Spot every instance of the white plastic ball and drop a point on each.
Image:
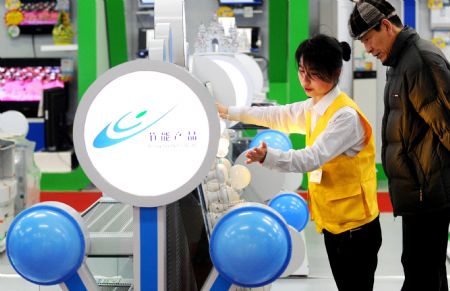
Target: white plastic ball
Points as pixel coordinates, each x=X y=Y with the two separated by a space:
x=239 y=177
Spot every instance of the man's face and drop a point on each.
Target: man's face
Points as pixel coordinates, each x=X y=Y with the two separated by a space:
x=378 y=43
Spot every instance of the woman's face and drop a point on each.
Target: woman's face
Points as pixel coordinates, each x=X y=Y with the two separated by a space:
x=312 y=84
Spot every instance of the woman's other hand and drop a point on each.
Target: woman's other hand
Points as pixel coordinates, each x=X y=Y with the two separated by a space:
x=256 y=154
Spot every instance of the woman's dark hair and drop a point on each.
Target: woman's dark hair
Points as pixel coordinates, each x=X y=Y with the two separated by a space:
x=323 y=55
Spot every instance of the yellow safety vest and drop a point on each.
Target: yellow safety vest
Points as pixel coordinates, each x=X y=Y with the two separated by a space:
x=346 y=196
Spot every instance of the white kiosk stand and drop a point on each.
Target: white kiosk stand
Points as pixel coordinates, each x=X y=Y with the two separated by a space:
x=146 y=133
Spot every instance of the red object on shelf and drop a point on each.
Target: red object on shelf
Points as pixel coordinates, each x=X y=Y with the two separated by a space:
x=80 y=201
x=384 y=202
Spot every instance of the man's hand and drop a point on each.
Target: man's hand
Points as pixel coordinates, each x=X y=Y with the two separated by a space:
x=256 y=154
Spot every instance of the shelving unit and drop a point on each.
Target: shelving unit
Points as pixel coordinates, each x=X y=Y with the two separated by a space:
x=59 y=48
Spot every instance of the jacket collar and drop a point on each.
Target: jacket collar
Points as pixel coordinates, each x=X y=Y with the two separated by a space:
x=325 y=102
x=403 y=40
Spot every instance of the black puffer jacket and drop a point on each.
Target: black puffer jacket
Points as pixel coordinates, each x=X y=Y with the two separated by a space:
x=416 y=122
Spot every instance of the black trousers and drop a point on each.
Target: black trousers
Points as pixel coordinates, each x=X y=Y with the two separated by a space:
x=353 y=256
x=425 y=238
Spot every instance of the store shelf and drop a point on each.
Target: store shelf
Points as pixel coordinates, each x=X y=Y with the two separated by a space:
x=59 y=48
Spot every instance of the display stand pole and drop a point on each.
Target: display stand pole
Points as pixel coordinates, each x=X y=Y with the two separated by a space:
x=149 y=248
x=81 y=280
x=215 y=282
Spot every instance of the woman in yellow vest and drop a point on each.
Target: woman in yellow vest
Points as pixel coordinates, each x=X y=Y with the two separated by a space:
x=339 y=158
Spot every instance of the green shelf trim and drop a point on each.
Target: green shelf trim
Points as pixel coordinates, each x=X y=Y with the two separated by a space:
x=381 y=175
x=276 y=90
x=117 y=40
x=298 y=31
x=87 y=73
x=87 y=45
x=249 y=132
x=290 y=21
x=73 y=181
x=278 y=42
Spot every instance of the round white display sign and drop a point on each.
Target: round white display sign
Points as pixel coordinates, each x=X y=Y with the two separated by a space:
x=146 y=133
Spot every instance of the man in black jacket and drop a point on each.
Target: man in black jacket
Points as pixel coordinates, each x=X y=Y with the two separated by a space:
x=415 y=138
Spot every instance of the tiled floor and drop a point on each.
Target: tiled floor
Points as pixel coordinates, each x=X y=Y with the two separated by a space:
x=389 y=274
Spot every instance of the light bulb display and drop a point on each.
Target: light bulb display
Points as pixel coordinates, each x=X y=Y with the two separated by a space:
x=240 y=177
x=224 y=145
x=226 y=162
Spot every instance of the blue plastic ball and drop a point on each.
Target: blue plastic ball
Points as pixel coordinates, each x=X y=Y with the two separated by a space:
x=273 y=138
x=45 y=245
x=293 y=208
x=250 y=246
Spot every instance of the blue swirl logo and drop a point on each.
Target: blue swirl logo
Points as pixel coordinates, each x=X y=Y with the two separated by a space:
x=102 y=140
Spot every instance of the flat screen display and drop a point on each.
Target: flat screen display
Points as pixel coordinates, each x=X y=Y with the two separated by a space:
x=23 y=81
x=39 y=12
x=37 y=16
x=28 y=84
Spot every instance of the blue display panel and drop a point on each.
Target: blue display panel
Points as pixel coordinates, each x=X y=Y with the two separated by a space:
x=240 y=2
x=146 y=3
x=36 y=133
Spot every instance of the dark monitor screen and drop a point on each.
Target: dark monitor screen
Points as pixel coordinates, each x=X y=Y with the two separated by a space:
x=23 y=81
x=146 y=3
